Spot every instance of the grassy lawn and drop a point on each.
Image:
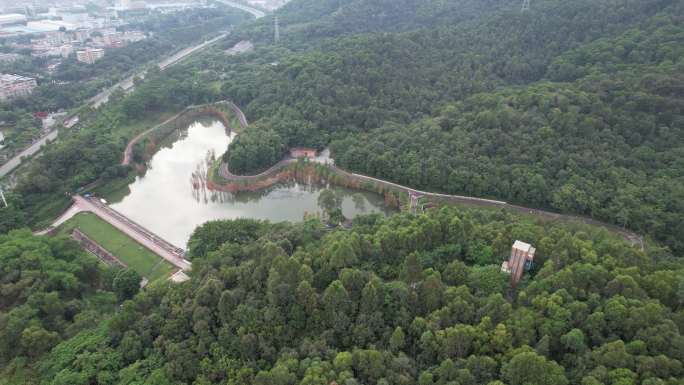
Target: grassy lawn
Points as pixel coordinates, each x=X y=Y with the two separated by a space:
x=137 y=126
x=134 y=255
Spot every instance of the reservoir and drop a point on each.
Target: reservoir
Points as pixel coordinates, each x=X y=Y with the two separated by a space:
x=168 y=201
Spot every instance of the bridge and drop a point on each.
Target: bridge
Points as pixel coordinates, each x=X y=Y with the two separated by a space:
x=255 y=12
x=153 y=242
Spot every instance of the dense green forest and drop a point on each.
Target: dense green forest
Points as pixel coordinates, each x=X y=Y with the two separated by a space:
x=51 y=290
x=404 y=300
x=572 y=106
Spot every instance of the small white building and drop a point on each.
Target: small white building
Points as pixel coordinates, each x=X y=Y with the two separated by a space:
x=89 y=55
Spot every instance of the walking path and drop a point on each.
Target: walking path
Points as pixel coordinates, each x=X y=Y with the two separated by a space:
x=628 y=235
x=128 y=153
x=140 y=234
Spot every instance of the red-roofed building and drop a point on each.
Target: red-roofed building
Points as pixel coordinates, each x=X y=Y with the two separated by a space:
x=303 y=152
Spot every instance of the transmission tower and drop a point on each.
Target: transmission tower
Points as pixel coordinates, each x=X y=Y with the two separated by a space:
x=526 y=5
x=276 y=37
x=2 y=195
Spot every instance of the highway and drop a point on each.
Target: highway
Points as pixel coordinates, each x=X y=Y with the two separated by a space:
x=13 y=163
x=257 y=13
x=126 y=85
x=96 y=101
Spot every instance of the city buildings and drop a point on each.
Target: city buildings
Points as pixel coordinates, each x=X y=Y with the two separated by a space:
x=522 y=255
x=89 y=55
x=14 y=86
x=66 y=50
x=64 y=43
x=9 y=57
x=44 y=26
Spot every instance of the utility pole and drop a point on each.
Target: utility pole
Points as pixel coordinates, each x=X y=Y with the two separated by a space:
x=526 y=5
x=277 y=30
x=2 y=195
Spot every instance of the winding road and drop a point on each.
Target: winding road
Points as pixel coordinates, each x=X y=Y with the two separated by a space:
x=630 y=236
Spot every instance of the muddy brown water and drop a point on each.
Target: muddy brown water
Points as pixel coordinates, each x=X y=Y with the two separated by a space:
x=171 y=198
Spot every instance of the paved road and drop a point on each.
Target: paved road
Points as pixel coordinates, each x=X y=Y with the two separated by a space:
x=13 y=163
x=103 y=97
x=140 y=234
x=127 y=84
x=257 y=13
x=630 y=236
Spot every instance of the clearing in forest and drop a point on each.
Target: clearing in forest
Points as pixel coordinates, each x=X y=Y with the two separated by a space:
x=134 y=255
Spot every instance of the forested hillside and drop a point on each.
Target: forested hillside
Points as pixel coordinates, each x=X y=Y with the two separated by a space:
x=51 y=290
x=572 y=106
x=404 y=300
x=304 y=22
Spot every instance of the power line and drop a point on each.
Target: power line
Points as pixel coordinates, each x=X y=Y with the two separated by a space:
x=2 y=195
x=277 y=30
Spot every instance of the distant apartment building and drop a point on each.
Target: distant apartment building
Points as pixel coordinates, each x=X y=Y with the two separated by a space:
x=522 y=255
x=48 y=51
x=81 y=35
x=57 y=38
x=89 y=55
x=66 y=50
x=9 y=57
x=15 y=86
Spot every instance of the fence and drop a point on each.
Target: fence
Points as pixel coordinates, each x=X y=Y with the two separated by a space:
x=95 y=248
